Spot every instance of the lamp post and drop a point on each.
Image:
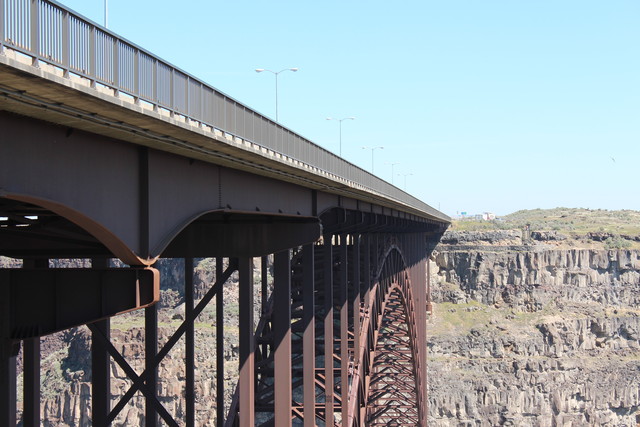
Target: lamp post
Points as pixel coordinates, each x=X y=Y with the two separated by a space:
x=405 y=179
x=275 y=73
x=106 y=13
x=392 y=165
x=340 y=122
x=372 y=150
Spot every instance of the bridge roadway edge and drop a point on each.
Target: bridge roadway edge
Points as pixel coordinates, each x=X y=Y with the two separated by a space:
x=75 y=103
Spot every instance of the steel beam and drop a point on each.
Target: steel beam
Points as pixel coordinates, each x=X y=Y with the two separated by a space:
x=100 y=366
x=189 y=394
x=8 y=353
x=282 y=338
x=357 y=318
x=219 y=348
x=308 y=338
x=246 y=381
x=31 y=366
x=328 y=328
x=138 y=379
x=151 y=368
x=100 y=376
x=343 y=281
x=55 y=299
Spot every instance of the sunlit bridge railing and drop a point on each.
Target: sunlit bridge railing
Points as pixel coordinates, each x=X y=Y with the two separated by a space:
x=47 y=31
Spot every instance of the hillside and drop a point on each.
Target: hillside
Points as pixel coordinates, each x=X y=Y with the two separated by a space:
x=573 y=227
x=537 y=326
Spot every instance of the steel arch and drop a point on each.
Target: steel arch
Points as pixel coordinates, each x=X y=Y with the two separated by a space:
x=393 y=384
x=365 y=326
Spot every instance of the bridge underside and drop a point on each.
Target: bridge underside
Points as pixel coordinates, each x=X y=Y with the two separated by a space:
x=348 y=270
x=342 y=297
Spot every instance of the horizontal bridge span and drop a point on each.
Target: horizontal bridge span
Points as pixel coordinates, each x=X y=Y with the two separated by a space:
x=107 y=151
x=127 y=92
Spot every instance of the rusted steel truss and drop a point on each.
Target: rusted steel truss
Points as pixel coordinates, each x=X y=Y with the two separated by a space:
x=340 y=340
x=338 y=345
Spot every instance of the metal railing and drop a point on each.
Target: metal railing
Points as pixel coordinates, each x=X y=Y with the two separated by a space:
x=49 y=32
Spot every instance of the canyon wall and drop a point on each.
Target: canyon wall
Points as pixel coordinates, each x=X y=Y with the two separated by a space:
x=533 y=334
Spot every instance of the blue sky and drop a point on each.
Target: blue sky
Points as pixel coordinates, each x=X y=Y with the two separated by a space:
x=493 y=105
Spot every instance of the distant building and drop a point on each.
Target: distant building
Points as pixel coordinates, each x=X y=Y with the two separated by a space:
x=488 y=216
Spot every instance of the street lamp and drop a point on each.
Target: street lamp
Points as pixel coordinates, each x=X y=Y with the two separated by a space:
x=372 y=150
x=405 y=179
x=275 y=73
x=392 y=165
x=340 y=122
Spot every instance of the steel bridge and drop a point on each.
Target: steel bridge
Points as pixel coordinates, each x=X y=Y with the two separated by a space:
x=107 y=151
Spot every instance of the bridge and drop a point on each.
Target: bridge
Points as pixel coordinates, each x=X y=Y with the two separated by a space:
x=108 y=152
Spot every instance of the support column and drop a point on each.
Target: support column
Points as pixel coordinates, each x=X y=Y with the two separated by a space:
x=264 y=282
x=367 y=282
x=282 y=338
x=150 y=351
x=8 y=353
x=220 y=414
x=328 y=328
x=100 y=372
x=189 y=345
x=31 y=367
x=344 y=329
x=355 y=266
x=246 y=381
x=308 y=338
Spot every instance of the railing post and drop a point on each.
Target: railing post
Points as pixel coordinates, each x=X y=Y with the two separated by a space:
x=136 y=76
x=92 y=55
x=187 y=96
x=35 y=31
x=66 y=43
x=2 y=35
x=156 y=98
x=116 y=67
x=172 y=105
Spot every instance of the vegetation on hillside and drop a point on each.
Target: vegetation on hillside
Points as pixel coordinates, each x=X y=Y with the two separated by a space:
x=569 y=221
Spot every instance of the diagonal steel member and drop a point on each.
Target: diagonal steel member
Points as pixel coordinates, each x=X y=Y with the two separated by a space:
x=138 y=381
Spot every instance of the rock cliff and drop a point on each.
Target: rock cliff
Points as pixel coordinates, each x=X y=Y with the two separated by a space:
x=532 y=335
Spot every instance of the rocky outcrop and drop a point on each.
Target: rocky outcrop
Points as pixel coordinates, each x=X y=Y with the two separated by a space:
x=534 y=337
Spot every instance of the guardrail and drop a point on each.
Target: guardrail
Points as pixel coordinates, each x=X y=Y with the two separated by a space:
x=47 y=31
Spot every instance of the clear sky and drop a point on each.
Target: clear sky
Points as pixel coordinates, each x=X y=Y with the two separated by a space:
x=492 y=105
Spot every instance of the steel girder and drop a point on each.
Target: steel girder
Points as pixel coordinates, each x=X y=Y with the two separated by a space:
x=347 y=329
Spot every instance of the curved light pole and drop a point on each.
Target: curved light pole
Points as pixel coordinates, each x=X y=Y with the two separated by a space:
x=372 y=150
x=405 y=179
x=392 y=165
x=340 y=122
x=275 y=73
